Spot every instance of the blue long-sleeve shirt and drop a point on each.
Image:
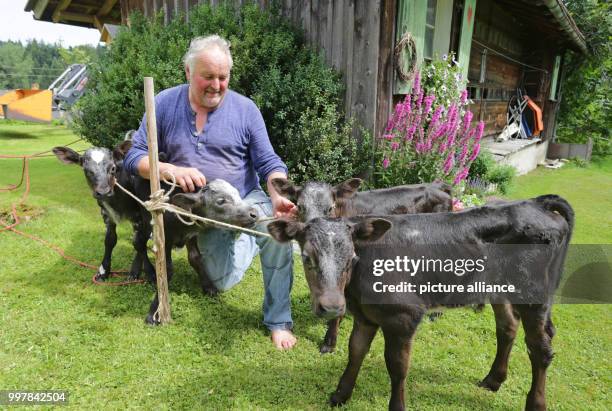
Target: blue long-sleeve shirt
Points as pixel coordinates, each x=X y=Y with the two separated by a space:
x=233 y=145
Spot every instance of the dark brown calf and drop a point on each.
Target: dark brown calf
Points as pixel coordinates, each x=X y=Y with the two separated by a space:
x=339 y=256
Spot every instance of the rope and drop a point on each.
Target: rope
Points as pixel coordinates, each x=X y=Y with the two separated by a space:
x=25 y=174
x=58 y=250
x=406 y=40
x=159 y=202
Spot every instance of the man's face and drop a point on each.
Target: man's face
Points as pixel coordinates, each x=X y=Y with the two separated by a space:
x=209 y=78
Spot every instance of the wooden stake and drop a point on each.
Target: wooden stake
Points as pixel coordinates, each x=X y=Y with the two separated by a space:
x=163 y=310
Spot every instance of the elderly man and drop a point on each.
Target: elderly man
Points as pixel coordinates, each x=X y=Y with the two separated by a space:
x=208 y=131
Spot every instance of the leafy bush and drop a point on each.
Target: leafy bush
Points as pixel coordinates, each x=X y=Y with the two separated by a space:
x=443 y=78
x=501 y=175
x=485 y=170
x=299 y=97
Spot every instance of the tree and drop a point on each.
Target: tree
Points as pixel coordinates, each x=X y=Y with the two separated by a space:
x=15 y=66
x=585 y=108
x=47 y=62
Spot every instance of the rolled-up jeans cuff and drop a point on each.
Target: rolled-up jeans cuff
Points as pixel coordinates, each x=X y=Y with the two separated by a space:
x=282 y=326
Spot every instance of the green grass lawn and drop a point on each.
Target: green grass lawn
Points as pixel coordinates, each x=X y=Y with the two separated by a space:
x=59 y=331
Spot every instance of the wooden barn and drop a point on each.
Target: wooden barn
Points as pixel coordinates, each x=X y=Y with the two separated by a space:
x=502 y=46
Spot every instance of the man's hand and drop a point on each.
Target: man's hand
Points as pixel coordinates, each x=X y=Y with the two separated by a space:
x=283 y=208
x=189 y=178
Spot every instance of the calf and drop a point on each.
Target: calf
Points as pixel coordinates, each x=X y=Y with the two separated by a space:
x=316 y=199
x=103 y=169
x=217 y=200
x=338 y=261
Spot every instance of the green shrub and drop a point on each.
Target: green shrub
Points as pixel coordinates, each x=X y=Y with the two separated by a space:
x=501 y=175
x=486 y=170
x=579 y=162
x=482 y=164
x=298 y=95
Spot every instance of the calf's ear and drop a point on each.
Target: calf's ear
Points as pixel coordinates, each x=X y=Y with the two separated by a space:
x=121 y=150
x=284 y=231
x=370 y=229
x=185 y=200
x=67 y=155
x=348 y=188
x=286 y=188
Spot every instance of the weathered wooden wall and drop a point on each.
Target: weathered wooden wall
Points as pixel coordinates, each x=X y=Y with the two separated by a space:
x=521 y=43
x=348 y=35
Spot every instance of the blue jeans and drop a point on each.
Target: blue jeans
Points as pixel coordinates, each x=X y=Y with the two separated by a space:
x=227 y=256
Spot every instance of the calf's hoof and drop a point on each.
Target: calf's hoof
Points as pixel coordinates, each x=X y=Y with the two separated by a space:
x=327 y=348
x=433 y=316
x=489 y=383
x=210 y=291
x=535 y=403
x=101 y=277
x=133 y=276
x=338 y=399
x=151 y=321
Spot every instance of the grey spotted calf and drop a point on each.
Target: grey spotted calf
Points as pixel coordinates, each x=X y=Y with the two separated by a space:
x=217 y=200
x=317 y=199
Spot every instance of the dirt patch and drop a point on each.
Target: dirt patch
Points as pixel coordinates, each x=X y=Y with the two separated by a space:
x=24 y=213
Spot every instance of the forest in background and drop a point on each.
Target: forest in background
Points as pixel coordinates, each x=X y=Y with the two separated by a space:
x=36 y=62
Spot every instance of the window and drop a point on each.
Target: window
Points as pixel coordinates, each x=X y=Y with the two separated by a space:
x=430 y=28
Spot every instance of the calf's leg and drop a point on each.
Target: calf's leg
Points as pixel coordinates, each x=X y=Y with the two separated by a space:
x=110 y=240
x=537 y=326
x=195 y=260
x=506 y=324
x=397 y=359
x=142 y=232
x=359 y=345
x=137 y=261
x=331 y=336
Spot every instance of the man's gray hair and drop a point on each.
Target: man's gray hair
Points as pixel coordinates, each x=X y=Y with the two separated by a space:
x=201 y=44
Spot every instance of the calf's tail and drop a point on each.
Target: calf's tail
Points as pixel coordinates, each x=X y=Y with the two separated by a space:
x=558 y=204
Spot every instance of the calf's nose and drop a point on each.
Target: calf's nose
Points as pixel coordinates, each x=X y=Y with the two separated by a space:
x=99 y=194
x=331 y=306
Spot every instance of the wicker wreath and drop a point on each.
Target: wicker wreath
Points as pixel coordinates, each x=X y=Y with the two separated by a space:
x=406 y=41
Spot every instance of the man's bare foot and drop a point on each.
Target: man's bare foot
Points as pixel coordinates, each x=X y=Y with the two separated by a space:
x=283 y=339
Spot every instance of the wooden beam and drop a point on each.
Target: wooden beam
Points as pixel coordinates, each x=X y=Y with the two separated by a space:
x=106 y=7
x=39 y=8
x=67 y=16
x=61 y=6
x=98 y=23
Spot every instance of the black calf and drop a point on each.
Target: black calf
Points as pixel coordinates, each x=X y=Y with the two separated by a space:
x=102 y=169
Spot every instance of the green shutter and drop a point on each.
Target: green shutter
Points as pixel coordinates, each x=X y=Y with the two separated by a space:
x=444 y=19
x=465 y=43
x=555 y=78
x=411 y=18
